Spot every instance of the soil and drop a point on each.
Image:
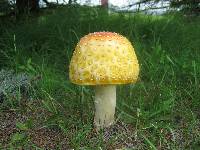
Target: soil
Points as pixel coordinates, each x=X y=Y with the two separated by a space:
x=53 y=138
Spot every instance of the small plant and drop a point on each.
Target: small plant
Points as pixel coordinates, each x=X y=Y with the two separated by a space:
x=14 y=86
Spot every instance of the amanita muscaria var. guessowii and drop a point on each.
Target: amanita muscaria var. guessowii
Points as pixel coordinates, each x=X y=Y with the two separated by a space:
x=104 y=59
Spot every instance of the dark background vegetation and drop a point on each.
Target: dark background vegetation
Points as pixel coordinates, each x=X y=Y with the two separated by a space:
x=27 y=6
x=41 y=109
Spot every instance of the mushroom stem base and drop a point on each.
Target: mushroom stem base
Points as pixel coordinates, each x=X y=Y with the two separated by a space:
x=105 y=102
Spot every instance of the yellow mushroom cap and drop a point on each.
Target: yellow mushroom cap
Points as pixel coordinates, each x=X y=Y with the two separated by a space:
x=103 y=58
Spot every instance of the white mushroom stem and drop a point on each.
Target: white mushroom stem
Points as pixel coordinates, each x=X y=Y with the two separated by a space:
x=105 y=102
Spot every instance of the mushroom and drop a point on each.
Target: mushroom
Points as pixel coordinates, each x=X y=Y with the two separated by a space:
x=104 y=60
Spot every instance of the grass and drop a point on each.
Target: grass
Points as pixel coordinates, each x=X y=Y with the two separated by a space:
x=161 y=111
